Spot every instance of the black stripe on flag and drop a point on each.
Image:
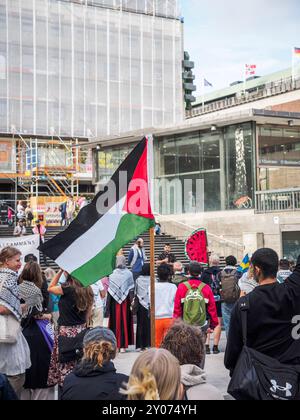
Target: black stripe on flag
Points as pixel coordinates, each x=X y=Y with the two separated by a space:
x=89 y=215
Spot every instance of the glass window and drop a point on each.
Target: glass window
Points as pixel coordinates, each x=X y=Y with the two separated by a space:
x=279 y=146
x=110 y=159
x=168 y=157
x=188 y=153
x=210 y=147
x=278 y=178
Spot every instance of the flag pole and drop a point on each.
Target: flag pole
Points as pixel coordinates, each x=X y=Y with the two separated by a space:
x=152 y=277
x=152 y=238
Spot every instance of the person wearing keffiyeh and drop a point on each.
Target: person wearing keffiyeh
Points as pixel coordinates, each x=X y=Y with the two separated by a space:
x=121 y=286
x=15 y=357
x=38 y=332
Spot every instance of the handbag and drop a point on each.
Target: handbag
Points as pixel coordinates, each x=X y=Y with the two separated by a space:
x=259 y=377
x=9 y=327
x=70 y=349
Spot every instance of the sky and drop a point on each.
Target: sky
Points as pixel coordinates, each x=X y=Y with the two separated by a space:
x=224 y=35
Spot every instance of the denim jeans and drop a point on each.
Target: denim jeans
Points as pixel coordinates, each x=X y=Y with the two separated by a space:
x=226 y=313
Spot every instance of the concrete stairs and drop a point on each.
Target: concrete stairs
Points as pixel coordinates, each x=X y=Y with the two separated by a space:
x=178 y=246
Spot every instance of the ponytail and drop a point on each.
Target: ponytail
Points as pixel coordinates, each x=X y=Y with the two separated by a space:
x=142 y=389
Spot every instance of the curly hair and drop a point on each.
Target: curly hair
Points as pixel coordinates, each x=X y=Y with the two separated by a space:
x=186 y=343
x=99 y=352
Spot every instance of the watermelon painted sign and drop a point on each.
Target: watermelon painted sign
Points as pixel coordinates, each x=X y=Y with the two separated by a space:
x=196 y=247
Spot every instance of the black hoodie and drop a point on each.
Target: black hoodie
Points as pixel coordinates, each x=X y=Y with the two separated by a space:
x=89 y=383
x=271 y=314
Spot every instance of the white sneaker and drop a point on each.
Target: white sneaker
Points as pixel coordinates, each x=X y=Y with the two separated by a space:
x=122 y=351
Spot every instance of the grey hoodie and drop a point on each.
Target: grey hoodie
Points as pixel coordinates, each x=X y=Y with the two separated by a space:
x=194 y=380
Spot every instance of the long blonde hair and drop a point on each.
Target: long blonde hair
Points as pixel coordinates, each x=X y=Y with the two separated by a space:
x=154 y=376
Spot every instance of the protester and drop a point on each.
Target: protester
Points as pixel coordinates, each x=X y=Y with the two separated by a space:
x=284 y=271
x=95 y=377
x=164 y=303
x=40 y=230
x=155 y=376
x=6 y=391
x=63 y=213
x=167 y=257
x=142 y=303
x=137 y=258
x=20 y=229
x=230 y=291
x=195 y=303
x=38 y=333
x=247 y=283
x=211 y=276
x=157 y=229
x=70 y=210
x=10 y=216
x=179 y=274
x=120 y=293
x=15 y=357
x=272 y=309
x=75 y=307
x=186 y=343
x=97 y=312
x=82 y=203
x=20 y=211
x=29 y=215
x=53 y=300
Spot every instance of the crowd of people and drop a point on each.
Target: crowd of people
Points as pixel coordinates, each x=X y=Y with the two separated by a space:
x=57 y=336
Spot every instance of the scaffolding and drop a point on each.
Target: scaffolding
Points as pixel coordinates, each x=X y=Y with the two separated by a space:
x=49 y=167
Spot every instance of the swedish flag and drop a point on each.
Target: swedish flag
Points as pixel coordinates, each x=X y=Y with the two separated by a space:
x=245 y=265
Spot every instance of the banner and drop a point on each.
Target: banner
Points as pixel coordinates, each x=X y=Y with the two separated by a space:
x=46 y=209
x=26 y=244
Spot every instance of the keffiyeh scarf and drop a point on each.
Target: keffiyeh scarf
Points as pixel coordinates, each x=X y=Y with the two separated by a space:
x=32 y=297
x=120 y=284
x=9 y=292
x=142 y=291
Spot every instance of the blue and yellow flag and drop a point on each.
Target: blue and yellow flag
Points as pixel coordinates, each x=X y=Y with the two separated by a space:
x=245 y=265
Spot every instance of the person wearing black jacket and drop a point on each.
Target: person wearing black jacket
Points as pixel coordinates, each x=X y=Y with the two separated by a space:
x=6 y=391
x=211 y=277
x=95 y=377
x=271 y=315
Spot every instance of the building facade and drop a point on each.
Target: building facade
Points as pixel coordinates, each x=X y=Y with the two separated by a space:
x=89 y=68
x=73 y=70
x=244 y=148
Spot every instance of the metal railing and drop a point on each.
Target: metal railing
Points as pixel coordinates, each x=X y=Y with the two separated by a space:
x=261 y=92
x=278 y=200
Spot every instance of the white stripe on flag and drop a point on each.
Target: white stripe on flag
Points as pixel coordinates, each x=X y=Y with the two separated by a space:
x=93 y=241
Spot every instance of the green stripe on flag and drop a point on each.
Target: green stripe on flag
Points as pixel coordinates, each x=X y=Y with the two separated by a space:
x=103 y=264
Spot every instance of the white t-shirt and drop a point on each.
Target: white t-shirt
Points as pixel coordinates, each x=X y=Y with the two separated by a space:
x=164 y=300
x=97 y=288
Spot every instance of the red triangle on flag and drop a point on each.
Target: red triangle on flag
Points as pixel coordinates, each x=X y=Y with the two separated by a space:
x=138 y=197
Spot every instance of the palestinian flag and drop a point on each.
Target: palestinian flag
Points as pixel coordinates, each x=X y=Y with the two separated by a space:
x=87 y=248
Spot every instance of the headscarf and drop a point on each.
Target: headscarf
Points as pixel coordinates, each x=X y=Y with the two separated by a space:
x=32 y=297
x=121 y=281
x=9 y=292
